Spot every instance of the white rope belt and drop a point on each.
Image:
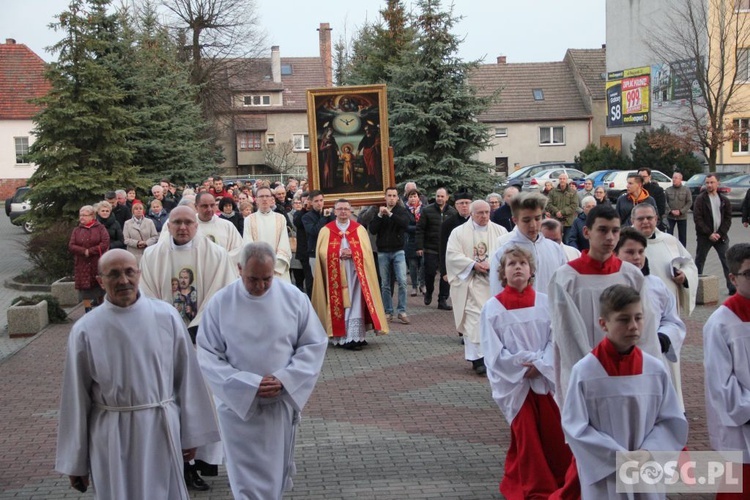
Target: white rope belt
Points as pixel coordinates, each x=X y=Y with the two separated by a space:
x=160 y=404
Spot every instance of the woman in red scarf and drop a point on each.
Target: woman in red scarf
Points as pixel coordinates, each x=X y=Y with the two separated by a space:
x=415 y=262
x=87 y=243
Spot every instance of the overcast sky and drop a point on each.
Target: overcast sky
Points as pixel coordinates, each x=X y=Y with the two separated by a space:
x=522 y=30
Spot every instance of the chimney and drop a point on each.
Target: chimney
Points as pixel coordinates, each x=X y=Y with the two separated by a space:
x=10 y=41
x=326 y=54
x=275 y=64
x=501 y=60
x=604 y=45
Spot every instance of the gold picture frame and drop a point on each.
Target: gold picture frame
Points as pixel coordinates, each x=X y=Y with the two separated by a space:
x=349 y=152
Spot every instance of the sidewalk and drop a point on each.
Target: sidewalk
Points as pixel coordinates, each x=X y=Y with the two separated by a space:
x=404 y=418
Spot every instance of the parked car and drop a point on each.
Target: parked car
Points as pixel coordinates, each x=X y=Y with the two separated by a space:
x=17 y=206
x=540 y=178
x=617 y=180
x=735 y=189
x=696 y=181
x=519 y=177
x=598 y=177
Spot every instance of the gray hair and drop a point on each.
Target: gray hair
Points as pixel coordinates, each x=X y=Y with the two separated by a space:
x=640 y=206
x=493 y=195
x=477 y=203
x=187 y=199
x=102 y=204
x=258 y=250
x=588 y=199
x=120 y=192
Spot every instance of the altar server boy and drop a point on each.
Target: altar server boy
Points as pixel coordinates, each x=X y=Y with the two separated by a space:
x=619 y=399
x=516 y=340
x=726 y=358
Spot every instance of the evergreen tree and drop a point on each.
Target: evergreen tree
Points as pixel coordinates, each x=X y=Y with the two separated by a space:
x=660 y=149
x=593 y=158
x=433 y=109
x=82 y=148
x=170 y=139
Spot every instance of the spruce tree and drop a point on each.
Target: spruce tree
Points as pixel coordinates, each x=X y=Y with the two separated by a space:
x=170 y=137
x=433 y=109
x=82 y=148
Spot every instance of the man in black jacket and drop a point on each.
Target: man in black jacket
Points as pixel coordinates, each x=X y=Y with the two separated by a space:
x=503 y=215
x=428 y=245
x=462 y=203
x=301 y=253
x=712 y=214
x=657 y=193
x=390 y=227
x=313 y=221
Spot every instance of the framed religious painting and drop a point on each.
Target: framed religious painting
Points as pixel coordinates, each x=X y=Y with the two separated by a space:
x=349 y=154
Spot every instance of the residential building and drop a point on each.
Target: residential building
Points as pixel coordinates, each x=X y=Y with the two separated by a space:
x=268 y=121
x=544 y=112
x=21 y=79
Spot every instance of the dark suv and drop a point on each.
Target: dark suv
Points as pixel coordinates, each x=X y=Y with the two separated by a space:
x=17 y=206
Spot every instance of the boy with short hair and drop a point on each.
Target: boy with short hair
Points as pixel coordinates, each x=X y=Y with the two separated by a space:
x=620 y=399
x=515 y=333
x=726 y=344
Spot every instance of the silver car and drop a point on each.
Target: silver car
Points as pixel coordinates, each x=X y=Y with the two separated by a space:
x=735 y=189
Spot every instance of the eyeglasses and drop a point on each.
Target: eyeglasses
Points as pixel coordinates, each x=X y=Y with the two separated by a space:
x=343 y=209
x=116 y=275
x=744 y=274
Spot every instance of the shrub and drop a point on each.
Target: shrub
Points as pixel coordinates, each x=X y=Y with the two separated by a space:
x=47 y=249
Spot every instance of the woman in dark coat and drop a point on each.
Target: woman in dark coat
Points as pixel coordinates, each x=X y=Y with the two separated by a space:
x=107 y=219
x=228 y=211
x=414 y=261
x=88 y=242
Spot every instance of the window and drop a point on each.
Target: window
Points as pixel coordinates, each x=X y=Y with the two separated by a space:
x=22 y=150
x=501 y=132
x=741 y=5
x=249 y=141
x=740 y=144
x=270 y=138
x=286 y=69
x=257 y=100
x=538 y=94
x=301 y=142
x=501 y=165
x=743 y=65
x=551 y=136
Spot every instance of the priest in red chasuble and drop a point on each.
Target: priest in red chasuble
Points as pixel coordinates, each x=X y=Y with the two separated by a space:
x=346 y=293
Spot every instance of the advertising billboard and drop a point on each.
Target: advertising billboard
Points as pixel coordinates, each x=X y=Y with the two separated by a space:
x=628 y=97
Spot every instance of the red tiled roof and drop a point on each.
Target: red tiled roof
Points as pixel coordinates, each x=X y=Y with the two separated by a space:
x=21 y=79
x=562 y=100
x=255 y=76
x=591 y=65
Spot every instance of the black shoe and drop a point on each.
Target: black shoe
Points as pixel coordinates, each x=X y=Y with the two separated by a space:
x=427 y=300
x=478 y=365
x=193 y=480
x=444 y=306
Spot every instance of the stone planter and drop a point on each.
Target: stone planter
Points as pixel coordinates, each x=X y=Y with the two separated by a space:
x=25 y=321
x=708 y=290
x=64 y=290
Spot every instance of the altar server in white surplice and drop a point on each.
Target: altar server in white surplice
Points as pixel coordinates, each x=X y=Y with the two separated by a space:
x=271 y=227
x=527 y=209
x=726 y=359
x=260 y=347
x=467 y=262
x=517 y=346
x=574 y=296
x=134 y=404
x=220 y=231
x=620 y=399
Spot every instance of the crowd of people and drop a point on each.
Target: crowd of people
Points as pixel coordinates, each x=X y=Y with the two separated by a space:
x=569 y=304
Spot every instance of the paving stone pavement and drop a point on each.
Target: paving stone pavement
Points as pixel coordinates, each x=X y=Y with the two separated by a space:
x=404 y=418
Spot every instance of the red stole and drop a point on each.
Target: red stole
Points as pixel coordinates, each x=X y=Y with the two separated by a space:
x=586 y=265
x=511 y=298
x=740 y=306
x=337 y=281
x=616 y=364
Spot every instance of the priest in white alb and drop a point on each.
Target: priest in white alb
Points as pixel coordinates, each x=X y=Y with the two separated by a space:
x=467 y=262
x=528 y=212
x=134 y=405
x=261 y=348
x=271 y=227
x=220 y=231
x=186 y=270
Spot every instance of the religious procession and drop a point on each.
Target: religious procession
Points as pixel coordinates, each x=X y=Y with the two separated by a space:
x=580 y=348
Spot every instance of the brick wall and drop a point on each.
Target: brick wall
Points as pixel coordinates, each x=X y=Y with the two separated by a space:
x=8 y=187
